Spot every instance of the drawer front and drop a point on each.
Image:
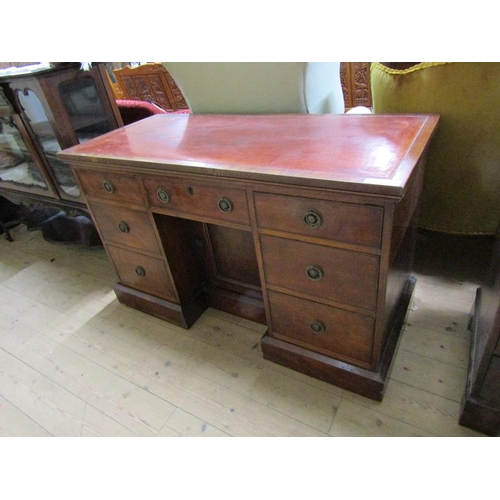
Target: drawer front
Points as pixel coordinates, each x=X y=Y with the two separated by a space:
x=112 y=187
x=219 y=203
x=143 y=273
x=322 y=328
x=125 y=226
x=330 y=273
x=350 y=223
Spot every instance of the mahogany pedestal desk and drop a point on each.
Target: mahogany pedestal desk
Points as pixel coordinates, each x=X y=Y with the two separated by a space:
x=305 y=223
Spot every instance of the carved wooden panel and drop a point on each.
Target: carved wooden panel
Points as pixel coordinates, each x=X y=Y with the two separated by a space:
x=128 y=87
x=150 y=82
x=178 y=97
x=143 y=89
x=158 y=93
x=345 y=82
x=355 y=81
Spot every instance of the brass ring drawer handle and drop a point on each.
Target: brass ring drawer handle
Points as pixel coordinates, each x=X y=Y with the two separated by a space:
x=124 y=227
x=318 y=326
x=313 y=219
x=163 y=195
x=225 y=205
x=108 y=187
x=314 y=273
x=140 y=271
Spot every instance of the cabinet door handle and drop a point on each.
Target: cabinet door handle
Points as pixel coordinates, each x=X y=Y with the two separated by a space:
x=108 y=187
x=314 y=273
x=225 y=205
x=140 y=271
x=163 y=195
x=124 y=227
x=318 y=326
x=313 y=219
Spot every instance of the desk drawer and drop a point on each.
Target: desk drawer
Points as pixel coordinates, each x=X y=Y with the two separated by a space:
x=143 y=273
x=125 y=226
x=350 y=223
x=212 y=202
x=111 y=187
x=321 y=328
x=330 y=273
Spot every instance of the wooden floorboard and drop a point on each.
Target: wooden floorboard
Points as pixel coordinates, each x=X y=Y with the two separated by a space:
x=75 y=362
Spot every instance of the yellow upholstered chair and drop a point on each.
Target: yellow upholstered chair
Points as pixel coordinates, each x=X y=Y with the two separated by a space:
x=462 y=180
x=259 y=87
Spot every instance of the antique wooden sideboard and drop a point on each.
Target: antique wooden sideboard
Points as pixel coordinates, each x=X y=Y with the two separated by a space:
x=480 y=409
x=305 y=223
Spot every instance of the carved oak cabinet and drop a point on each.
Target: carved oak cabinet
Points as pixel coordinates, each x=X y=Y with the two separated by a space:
x=303 y=222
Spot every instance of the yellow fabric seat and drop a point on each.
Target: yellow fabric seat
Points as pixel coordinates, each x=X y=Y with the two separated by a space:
x=462 y=183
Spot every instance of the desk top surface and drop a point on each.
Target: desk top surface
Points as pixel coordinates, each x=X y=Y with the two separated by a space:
x=363 y=153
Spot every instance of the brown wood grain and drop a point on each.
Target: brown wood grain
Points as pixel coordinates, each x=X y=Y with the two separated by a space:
x=153 y=278
x=125 y=188
x=347 y=334
x=358 y=224
x=140 y=235
x=198 y=199
x=348 y=277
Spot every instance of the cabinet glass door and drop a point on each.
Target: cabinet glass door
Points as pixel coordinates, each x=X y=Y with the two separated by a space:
x=16 y=163
x=84 y=107
x=47 y=140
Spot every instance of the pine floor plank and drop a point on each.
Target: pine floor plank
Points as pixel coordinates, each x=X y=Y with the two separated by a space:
x=457 y=298
x=137 y=329
x=56 y=410
x=226 y=332
x=58 y=297
x=226 y=362
x=15 y=423
x=430 y=375
x=222 y=366
x=432 y=317
x=40 y=317
x=440 y=307
x=353 y=420
x=417 y=407
x=137 y=410
x=96 y=288
x=182 y=424
x=450 y=348
x=32 y=246
x=15 y=257
x=7 y=272
x=196 y=383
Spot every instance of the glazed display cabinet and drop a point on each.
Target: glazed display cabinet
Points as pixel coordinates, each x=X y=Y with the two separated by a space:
x=44 y=110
